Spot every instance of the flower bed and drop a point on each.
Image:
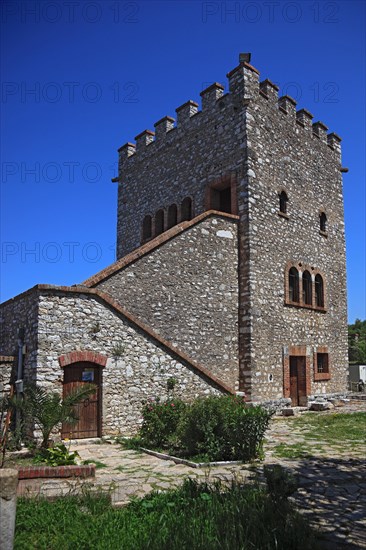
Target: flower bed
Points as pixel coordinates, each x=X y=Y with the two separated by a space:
x=33 y=472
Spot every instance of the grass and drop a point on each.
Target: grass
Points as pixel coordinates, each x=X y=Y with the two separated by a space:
x=196 y=516
x=98 y=464
x=297 y=450
x=339 y=431
x=333 y=428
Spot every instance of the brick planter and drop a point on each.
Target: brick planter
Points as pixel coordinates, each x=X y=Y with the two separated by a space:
x=33 y=472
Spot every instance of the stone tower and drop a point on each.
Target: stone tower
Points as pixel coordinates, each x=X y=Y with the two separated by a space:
x=252 y=154
x=230 y=274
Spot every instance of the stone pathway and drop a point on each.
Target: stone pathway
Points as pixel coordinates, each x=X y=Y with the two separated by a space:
x=332 y=484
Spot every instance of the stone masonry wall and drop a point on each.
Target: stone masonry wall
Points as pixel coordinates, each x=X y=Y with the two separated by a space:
x=20 y=312
x=67 y=323
x=182 y=162
x=7 y=365
x=286 y=152
x=267 y=146
x=187 y=291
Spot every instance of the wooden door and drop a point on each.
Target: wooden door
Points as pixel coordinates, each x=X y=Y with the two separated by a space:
x=298 y=380
x=88 y=411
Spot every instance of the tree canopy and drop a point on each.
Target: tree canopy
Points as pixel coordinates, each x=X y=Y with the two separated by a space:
x=357 y=342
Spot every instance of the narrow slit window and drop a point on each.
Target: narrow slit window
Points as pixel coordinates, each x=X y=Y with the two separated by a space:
x=283 y=202
x=319 y=291
x=159 y=222
x=323 y=222
x=147 y=228
x=186 y=209
x=307 y=289
x=293 y=285
x=172 y=216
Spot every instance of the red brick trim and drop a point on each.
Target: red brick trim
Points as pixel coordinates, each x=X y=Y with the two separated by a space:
x=189 y=102
x=78 y=356
x=320 y=376
x=301 y=267
x=32 y=472
x=214 y=86
x=245 y=64
x=299 y=351
x=225 y=181
x=7 y=358
x=152 y=245
x=108 y=301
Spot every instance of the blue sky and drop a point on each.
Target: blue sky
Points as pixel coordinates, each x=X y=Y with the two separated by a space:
x=79 y=79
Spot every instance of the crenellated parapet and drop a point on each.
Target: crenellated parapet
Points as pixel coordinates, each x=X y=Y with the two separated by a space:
x=244 y=88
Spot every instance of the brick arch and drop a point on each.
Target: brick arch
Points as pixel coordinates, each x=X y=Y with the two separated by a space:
x=85 y=356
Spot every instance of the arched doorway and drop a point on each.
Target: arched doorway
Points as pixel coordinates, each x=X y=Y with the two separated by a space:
x=88 y=411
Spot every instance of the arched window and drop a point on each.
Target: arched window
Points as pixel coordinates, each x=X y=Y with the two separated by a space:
x=159 y=222
x=323 y=222
x=307 y=295
x=283 y=202
x=319 y=291
x=172 y=216
x=186 y=209
x=147 y=228
x=293 y=285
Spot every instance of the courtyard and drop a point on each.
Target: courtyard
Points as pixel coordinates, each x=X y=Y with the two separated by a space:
x=326 y=451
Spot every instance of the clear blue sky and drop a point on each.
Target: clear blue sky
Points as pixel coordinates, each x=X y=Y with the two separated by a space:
x=79 y=79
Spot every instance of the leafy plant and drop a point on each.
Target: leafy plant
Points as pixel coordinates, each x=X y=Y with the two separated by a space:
x=98 y=464
x=195 y=515
x=171 y=383
x=47 y=410
x=118 y=350
x=224 y=428
x=160 y=421
x=59 y=455
x=281 y=483
x=357 y=342
x=95 y=328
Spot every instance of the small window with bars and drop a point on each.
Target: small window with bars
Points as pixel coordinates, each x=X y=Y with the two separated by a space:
x=322 y=363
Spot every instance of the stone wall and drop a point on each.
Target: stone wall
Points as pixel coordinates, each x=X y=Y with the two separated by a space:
x=187 y=291
x=7 y=368
x=289 y=153
x=262 y=144
x=71 y=321
x=204 y=147
x=17 y=313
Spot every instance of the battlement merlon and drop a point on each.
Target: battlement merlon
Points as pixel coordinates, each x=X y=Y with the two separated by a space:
x=163 y=126
x=244 y=86
x=185 y=112
x=211 y=94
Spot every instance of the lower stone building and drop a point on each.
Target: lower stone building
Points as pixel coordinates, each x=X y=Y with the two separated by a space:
x=231 y=269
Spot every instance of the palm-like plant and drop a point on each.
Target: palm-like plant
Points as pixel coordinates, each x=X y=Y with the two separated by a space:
x=48 y=410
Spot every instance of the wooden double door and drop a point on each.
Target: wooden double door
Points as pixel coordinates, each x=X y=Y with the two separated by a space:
x=298 y=380
x=88 y=411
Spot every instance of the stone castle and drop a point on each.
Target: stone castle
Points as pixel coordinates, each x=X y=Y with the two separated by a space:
x=230 y=274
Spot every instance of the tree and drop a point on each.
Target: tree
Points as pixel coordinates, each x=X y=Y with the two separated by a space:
x=357 y=342
x=47 y=410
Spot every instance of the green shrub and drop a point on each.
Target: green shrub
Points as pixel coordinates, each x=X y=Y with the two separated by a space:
x=59 y=455
x=281 y=483
x=224 y=428
x=160 y=421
